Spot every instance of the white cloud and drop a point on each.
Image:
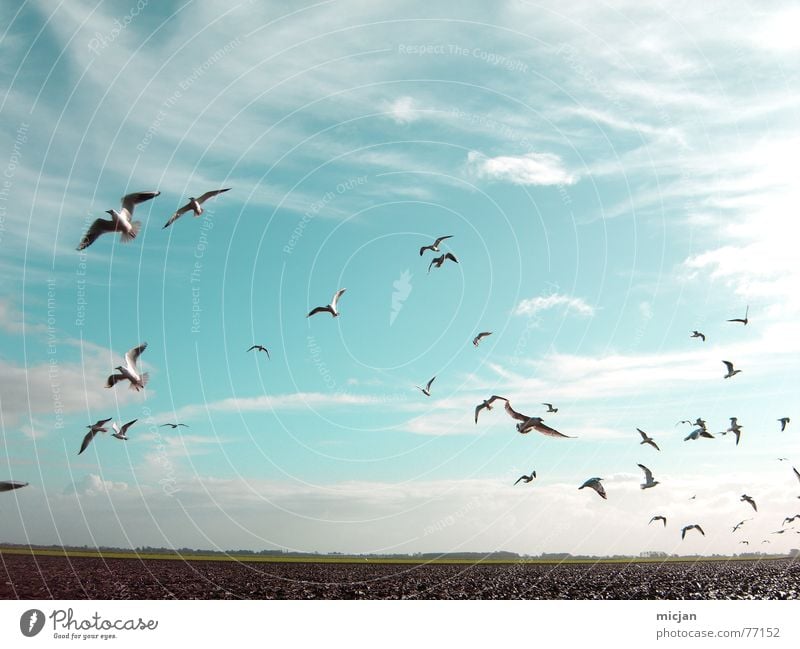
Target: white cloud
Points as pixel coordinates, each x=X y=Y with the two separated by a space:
x=535 y=305
x=528 y=169
x=403 y=110
x=93 y=485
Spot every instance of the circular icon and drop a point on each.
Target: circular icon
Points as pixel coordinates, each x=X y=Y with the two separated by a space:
x=31 y=622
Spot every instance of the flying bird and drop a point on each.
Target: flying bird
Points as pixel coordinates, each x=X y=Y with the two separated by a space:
x=129 y=371
x=647 y=440
x=744 y=320
x=331 y=308
x=748 y=499
x=174 y=426
x=797 y=474
x=97 y=427
x=648 y=478
x=691 y=527
x=698 y=432
x=120 y=221
x=194 y=205
x=438 y=261
x=659 y=518
x=783 y=459
x=697 y=334
x=260 y=348
x=435 y=246
x=526 y=478
x=487 y=404
x=120 y=433
x=731 y=371
x=427 y=389
x=528 y=423
x=790 y=519
x=784 y=421
x=9 y=485
x=550 y=407
x=740 y=523
x=745 y=542
x=594 y=483
x=477 y=339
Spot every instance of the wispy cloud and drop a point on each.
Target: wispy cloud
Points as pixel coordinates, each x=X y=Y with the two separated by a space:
x=534 y=305
x=403 y=110
x=528 y=169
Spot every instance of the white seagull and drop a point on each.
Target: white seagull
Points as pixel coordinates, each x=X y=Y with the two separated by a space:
x=594 y=483
x=734 y=428
x=427 y=389
x=129 y=371
x=8 y=485
x=528 y=423
x=331 y=308
x=120 y=221
x=648 y=478
x=438 y=261
x=487 y=403
x=731 y=371
x=120 y=433
x=740 y=523
x=691 y=527
x=97 y=427
x=647 y=440
x=194 y=205
x=477 y=339
x=698 y=432
x=435 y=246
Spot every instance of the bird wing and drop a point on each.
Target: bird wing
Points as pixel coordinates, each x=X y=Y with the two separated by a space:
x=319 y=309
x=423 y=249
x=87 y=440
x=703 y=336
x=494 y=398
x=336 y=297
x=514 y=414
x=478 y=408
x=648 y=474
x=428 y=386
x=451 y=257
x=214 y=192
x=440 y=239
x=705 y=433
x=599 y=489
x=699 y=529
x=178 y=214
x=129 y=201
x=436 y=260
x=520 y=479
x=653 y=444
x=133 y=355
x=100 y=226
x=546 y=430
x=252 y=348
x=127 y=426
x=8 y=485
x=796 y=472
x=729 y=365
x=641 y=432
x=112 y=380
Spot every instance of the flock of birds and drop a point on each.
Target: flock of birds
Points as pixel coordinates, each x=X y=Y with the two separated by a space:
x=123 y=223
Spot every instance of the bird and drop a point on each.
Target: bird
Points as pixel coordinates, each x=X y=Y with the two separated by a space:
x=697 y=334
x=748 y=499
x=594 y=483
x=731 y=371
x=438 y=261
x=735 y=428
x=694 y=526
x=745 y=542
x=9 y=485
x=526 y=478
x=129 y=371
x=120 y=433
x=97 y=427
x=331 y=308
x=648 y=478
x=528 y=423
x=174 y=426
x=550 y=407
x=778 y=532
x=659 y=518
x=784 y=421
x=783 y=459
x=789 y=519
x=194 y=205
x=427 y=389
x=647 y=440
x=740 y=523
x=744 y=320
x=487 y=403
x=797 y=474
x=477 y=339
x=120 y=221
x=435 y=246
x=260 y=348
x=698 y=432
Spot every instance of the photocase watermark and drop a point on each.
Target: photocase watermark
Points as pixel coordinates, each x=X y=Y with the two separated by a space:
x=53 y=369
x=101 y=41
x=184 y=85
x=453 y=49
x=169 y=481
x=533 y=321
x=9 y=172
x=451 y=519
x=80 y=282
x=206 y=225
x=402 y=289
x=317 y=206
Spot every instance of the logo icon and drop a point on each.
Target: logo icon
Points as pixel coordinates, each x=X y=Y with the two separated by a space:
x=402 y=289
x=31 y=622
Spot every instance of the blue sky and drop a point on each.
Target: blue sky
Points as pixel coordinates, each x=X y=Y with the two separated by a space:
x=613 y=177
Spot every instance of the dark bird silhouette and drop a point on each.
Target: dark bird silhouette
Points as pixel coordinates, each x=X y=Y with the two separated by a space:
x=331 y=308
x=174 y=426
x=194 y=205
x=120 y=221
x=9 y=485
x=487 y=404
x=691 y=527
x=784 y=421
x=550 y=407
x=528 y=423
x=427 y=389
x=748 y=499
x=790 y=519
x=594 y=483
x=697 y=334
x=526 y=478
x=731 y=371
x=438 y=261
x=744 y=320
x=97 y=427
x=260 y=348
x=697 y=433
x=435 y=246
x=740 y=523
x=477 y=339
x=659 y=518
x=647 y=440
x=797 y=475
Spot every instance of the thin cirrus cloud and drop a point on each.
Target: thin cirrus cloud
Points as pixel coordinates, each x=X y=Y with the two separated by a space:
x=535 y=305
x=529 y=169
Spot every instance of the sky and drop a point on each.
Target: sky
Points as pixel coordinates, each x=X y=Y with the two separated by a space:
x=614 y=176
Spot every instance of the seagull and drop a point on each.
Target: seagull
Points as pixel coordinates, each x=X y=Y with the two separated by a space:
x=735 y=428
x=648 y=478
x=797 y=473
x=744 y=320
x=745 y=542
x=427 y=390
x=97 y=427
x=647 y=440
x=331 y=308
x=119 y=433
x=659 y=518
x=783 y=459
x=748 y=499
x=698 y=432
x=120 y=221
x=740 y=523
x=174 y=426
x=435 y=246
x=526 y=478
x=438 y=261
x=778 y=532
x=487 y=403
x=527 y=423
x=594 y=483
x=784 y=421
x=9 y=485
x=731 y=371
x=477 y=339
x=683 y=421
x=260 y=348
x=691 y=527
x=129 y=371
x=194 y=205
x=697 y=334
x=790 y=519
x=550 y=407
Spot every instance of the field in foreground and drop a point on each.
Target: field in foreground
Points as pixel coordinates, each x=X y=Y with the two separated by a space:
x=29 y=576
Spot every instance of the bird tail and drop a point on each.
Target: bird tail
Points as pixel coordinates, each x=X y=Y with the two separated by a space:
x=138 y=386
x=130 y=236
